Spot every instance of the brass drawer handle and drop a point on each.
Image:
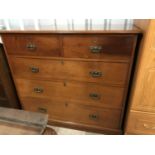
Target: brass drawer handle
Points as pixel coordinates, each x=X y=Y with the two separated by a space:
x=148 y=127
x=34 y=69
x=38 y=90
x=31 y=46
x=94 y=96
x=93 y=117
x=95 y=49
x=42 y=110
x=95 y=74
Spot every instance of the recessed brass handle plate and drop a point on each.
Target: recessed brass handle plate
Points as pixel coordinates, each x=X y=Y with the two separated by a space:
x=34 y=69
x=95 y=73
x=31 y=46
x=95 y=49
x=38 y=90
x=94 y=96
x=93 y=117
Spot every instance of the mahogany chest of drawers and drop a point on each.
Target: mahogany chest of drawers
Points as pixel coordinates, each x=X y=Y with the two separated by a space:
x=79 y=78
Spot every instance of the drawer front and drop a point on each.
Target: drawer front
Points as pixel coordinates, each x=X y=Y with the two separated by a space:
x=74 y=113
x=86 y=71
x=32 y=45
x=99 y=46
x=80 y=93
x=141 y=123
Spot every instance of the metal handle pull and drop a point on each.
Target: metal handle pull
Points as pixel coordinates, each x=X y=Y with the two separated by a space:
x=34 y=69
x=95 y=74
x=95 y=49
x=42 y=110
x=94 y=96
x=31 y=46
x=38 y=90
x=148 y=127
x=93 y=117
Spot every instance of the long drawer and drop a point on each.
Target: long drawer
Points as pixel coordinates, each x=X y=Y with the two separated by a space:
x=80 y=93
x=99 y=46
x=32 y=45
x=86 y=71
x=73 y=113
x=141 y=123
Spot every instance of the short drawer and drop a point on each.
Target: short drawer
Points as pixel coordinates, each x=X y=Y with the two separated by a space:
x=80 y=93
x=141 y=123
x=32 y=45
x=84 y=71
x=112 y=47
x=72 y=113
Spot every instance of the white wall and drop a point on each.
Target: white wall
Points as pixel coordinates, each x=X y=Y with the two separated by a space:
x=68 y=24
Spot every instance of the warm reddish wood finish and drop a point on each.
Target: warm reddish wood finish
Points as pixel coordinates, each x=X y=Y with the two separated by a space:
x=76 y=88
x=113 y=46
x=112 y=73
x=107 y=118
x=67 y=91
x=45 y=45
x=132 y=30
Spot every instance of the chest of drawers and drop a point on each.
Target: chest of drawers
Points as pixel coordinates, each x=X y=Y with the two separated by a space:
x=80 y=79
